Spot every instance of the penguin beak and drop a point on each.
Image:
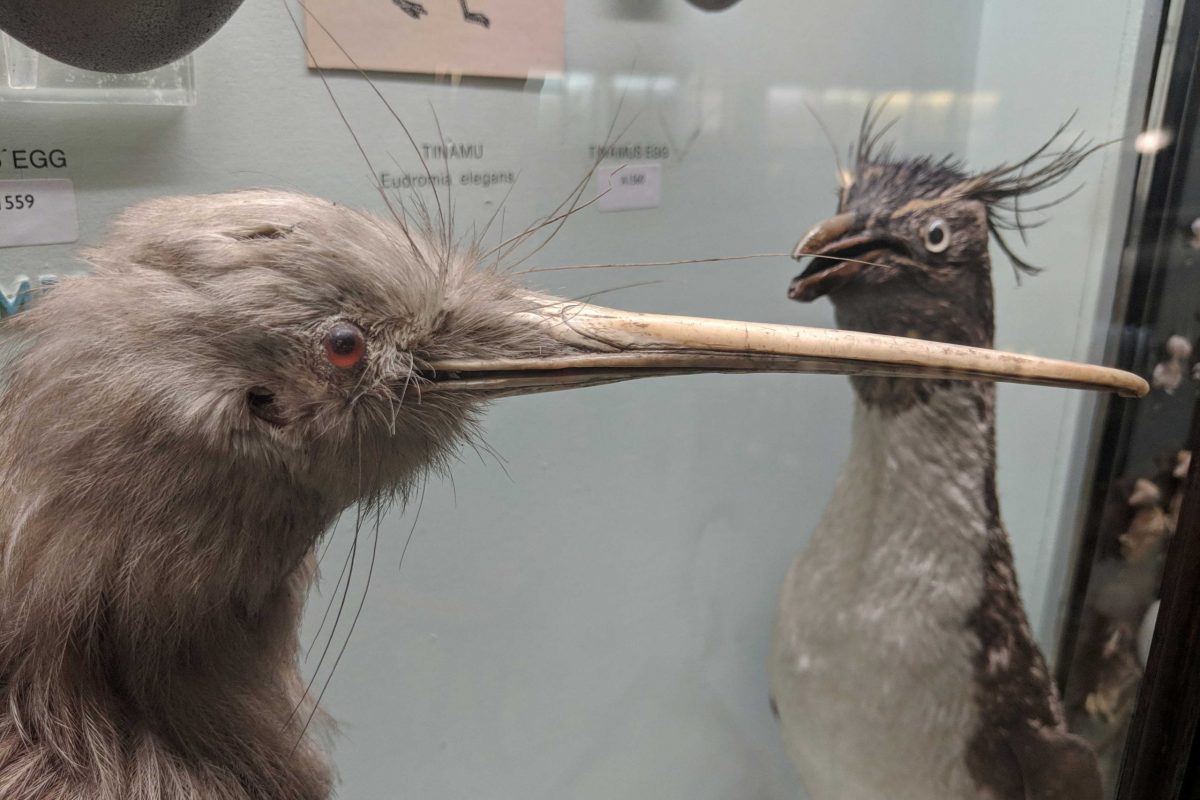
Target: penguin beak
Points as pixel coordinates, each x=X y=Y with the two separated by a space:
x=841 y=250
x=593 y=345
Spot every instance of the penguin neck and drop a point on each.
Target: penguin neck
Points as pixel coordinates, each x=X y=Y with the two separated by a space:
x=919 y=485
x=950 y=424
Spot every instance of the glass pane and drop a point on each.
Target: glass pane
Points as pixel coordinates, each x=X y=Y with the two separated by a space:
x=1131 y=511
x=581 y=600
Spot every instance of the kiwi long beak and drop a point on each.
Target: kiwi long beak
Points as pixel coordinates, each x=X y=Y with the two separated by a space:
x=603 y=345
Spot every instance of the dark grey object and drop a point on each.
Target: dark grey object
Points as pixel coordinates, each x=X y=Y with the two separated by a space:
x=115 y=35
x=713 y=5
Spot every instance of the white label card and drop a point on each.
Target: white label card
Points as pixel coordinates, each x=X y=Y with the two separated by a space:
x=37 y=212
x=624 y=187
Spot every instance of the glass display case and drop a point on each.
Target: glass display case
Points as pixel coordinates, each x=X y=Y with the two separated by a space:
x=1131 y=519
x=582 y=604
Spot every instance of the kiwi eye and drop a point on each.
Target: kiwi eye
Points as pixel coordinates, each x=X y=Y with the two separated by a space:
x=937 y=236
x=345 y=345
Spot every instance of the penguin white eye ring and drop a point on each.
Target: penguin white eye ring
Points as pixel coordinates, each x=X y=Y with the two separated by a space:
x=937 y=236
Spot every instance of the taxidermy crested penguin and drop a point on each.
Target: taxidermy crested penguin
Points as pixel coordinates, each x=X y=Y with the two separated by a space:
x=902 y=664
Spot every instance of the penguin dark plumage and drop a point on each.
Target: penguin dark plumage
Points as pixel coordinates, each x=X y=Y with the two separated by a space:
x=902 y=663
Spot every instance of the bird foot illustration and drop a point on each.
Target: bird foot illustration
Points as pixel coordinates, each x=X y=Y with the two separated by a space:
x=472 y=16
x=414 y=10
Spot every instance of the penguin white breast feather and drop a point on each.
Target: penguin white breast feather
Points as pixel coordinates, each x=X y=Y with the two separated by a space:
x=872 y=663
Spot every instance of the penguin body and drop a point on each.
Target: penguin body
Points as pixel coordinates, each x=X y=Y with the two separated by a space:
x=884 y=684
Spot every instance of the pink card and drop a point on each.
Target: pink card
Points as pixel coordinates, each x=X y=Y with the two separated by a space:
x=494 y=38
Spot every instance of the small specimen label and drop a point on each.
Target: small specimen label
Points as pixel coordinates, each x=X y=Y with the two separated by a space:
x=623 y=187
x=37 y=212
